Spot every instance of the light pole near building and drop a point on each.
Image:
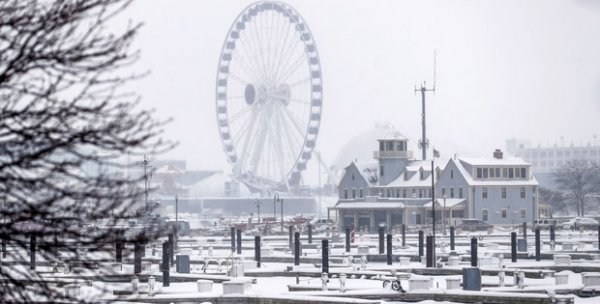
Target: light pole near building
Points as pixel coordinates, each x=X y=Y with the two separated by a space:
x=433 y=207
x=176 y=219
x=444 y=215
x=275 y=200
x=258 y=211
x=281 y=201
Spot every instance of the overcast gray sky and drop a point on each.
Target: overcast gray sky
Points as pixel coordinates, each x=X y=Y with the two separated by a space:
x=525 y=69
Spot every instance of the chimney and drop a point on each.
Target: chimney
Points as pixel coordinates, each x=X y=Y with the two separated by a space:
x=498 y=154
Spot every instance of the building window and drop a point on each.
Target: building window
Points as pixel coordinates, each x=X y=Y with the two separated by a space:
x=353 y=193
x=517 y=173
x=523 y=173
x=414 y=193
x=352 y=176
x=421 y=174
x=389 y=193
x=404 y=193
x=503 y=213
x=389 y=146
x=479 y=172
x=522 y=192
x=504 y=173
x=360 y=193
x=460 y=193
x=397 y=192
x=492 y=173
x=451 y=174
x=345 y=193
x=484 y=193
x=420 y=193
x=484 y=215
x=381 y=170
x=429 y=193
x=400 y=146
x=443 y=191
x=511 y=173
x=523 y=213
x=497 y=172
x=452 y=192
x=381 y=146
x=485 y=172
x=503 y=193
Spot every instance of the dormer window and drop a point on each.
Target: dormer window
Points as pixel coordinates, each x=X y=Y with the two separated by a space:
x=421 y=174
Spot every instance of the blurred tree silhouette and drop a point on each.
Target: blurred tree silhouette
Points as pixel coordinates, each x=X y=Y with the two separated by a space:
x=63 y=108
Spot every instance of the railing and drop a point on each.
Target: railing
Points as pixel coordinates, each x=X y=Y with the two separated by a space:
x=389 y=154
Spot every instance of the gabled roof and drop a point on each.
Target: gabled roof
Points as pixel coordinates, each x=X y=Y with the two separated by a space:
x=450 y=202
x=483 y=161
x=368 y=171
x=413 y=168
x=492 y=182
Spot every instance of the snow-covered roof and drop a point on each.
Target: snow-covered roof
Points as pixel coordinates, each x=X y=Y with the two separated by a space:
x=415 y=180
x=368 y=171
x=369 y=205
x=492 y=182
x=392 y=135
x=490 y=161
x=450 y=202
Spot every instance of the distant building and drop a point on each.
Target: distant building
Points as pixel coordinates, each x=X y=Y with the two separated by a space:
x=395 y=189
x=548 y=159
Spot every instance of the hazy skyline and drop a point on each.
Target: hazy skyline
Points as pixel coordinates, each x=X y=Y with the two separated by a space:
x=505 y=69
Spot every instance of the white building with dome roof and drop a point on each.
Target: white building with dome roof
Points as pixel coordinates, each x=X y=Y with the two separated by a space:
x=396 y=189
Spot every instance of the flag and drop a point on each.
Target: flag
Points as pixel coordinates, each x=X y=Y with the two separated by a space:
x=436 y=153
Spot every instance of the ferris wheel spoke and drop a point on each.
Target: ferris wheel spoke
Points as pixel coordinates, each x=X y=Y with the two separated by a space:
x=245 y=134
x=289 y=53
x=259 y=143
x=297 y=63
x=239 y=79
x=276 y=45
x=251 y=50
x=280 y=55
x=295 y=121
x=294 y=143
x=288 y=47
x=261 y=51
x=300 y=82
x=239 y=114
x=283 y=135
x=247 y=70
x=270 y=44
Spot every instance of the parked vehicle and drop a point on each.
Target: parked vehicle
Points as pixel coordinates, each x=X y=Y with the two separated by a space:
x=544 y=224
x=474 y=225
x=579 y=222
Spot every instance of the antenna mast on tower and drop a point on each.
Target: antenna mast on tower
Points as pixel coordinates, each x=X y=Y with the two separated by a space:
x=424 y=142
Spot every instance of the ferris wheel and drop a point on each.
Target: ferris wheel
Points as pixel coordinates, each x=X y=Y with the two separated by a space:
x=269 y=96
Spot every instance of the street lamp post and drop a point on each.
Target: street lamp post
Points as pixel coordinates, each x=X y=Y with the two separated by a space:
x=275 y=200
x=444 y=216
x=176 y=219
x=281 y=201
x=433 y=207
x=258 y=211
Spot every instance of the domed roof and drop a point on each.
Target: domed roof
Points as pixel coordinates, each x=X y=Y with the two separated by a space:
x=360 y=147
